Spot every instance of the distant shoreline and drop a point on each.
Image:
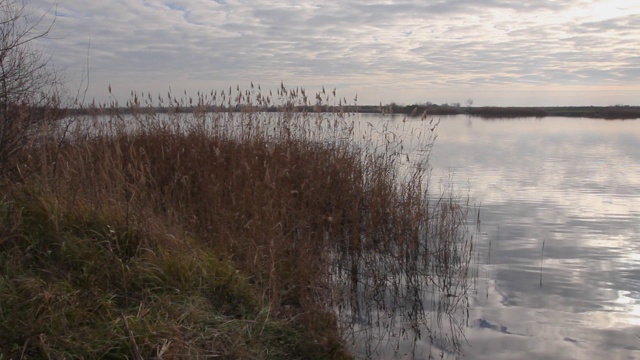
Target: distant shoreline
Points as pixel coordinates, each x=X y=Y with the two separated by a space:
x=496 y=112
x=487 y=112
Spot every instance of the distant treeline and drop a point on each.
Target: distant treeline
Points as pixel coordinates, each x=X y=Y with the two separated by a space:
x=495 y=112
x=601 y=112
x=487 y=112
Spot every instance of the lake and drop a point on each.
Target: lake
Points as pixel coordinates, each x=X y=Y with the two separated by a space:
x=558 y=256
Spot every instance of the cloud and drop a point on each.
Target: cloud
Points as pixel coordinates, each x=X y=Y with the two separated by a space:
x=204 y=44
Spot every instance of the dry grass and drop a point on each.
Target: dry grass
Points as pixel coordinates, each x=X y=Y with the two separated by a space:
x=171 y=234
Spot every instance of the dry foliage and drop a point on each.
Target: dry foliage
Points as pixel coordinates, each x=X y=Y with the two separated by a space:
x=186 y=230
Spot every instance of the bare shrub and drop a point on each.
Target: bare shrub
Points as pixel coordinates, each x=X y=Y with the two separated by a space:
x=27 y=83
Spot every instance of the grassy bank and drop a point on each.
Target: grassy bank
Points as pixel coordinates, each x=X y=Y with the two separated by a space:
x=196 y=235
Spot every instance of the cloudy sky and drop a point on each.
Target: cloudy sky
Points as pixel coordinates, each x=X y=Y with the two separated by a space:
x=496 y=52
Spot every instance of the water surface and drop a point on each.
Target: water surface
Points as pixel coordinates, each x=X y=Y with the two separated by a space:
x=559 y=252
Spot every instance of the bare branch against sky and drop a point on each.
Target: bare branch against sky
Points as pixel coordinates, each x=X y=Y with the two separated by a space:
x=496 y=52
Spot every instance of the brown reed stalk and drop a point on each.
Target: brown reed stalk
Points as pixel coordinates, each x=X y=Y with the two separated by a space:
x=215 y=209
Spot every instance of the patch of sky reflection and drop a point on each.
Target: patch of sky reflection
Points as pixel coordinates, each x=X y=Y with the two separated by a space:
x=559 y=255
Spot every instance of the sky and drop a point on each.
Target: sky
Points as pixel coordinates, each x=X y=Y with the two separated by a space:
x=493 y=52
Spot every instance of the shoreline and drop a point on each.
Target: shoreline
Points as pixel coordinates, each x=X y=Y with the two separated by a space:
x=498 y=112
x=485 y=112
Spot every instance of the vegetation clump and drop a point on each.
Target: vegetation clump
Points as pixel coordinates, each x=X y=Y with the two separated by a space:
x=615 y=112
x=491 y=112
x=240 y=235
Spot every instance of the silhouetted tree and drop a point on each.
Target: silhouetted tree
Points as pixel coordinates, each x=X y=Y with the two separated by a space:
x=27 y=83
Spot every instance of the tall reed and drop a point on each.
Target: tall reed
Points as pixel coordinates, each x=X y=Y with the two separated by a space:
x=172 y=227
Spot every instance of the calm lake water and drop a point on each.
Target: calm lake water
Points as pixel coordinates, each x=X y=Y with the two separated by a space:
x=559 y=250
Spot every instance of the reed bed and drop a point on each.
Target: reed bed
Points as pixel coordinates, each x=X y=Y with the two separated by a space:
x=148 y=231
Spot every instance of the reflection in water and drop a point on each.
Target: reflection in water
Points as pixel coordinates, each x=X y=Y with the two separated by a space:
x=574 y=186
x=412 y=306
x=406 y=294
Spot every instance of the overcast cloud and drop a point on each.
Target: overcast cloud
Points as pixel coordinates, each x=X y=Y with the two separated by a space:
x=497 y=52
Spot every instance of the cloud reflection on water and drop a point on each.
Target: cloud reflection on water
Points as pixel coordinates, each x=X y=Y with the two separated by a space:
x=574 y=186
